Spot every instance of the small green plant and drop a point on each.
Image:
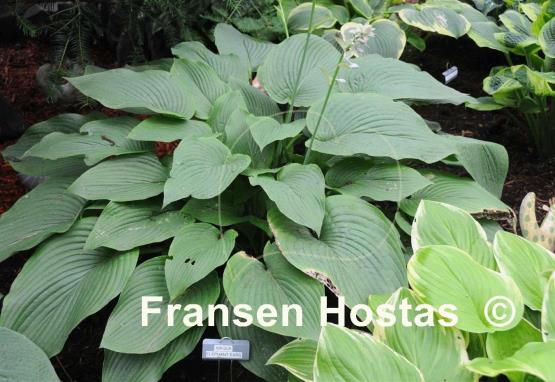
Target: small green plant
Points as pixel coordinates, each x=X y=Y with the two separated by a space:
x=290 y=181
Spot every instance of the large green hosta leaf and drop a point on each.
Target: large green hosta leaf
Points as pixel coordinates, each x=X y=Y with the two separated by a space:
x=465 y=284
x=22 y=360
x=486 y=162
x=202 y=168
x=196 y=250
x=483 y=33
x=358 y=252
x=251 y=52
x=47 y=209
x=257 y=102
x=61 y=285
x=124 y=332
x=389 y=40
x=396 y=79
x=444 y=21
x=122 y=179
x=278 y=283
x=63 y=123
x=379 y=181
x=226 y=65
x=151 y=91
x=163 y=129
x=223 y=109
x=98 y=140
x=527 y=263
x=535 y=358
x=345 y=355
x=124 y=226
x=201 y=82
x=460 y=192
x=263 y=345
x=266 y=130
x=374 y=125
x=445 y=363
x=120 y=367
x=297 y=357
x=298 y=191
x=442 y=224
x=282 y=78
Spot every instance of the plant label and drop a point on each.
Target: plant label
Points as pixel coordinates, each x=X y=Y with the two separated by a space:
x=450 y=74
x=225 y=349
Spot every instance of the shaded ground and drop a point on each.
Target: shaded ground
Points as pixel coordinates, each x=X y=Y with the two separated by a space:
x=81 y=359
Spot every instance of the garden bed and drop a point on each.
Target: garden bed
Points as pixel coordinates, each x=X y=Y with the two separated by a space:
x=81 y=359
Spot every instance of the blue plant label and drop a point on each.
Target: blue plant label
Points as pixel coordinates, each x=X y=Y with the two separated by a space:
x=450 y=74
x=225 y=349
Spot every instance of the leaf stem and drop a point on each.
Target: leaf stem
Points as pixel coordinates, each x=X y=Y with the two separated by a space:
x=326 y=100
x=282 y=14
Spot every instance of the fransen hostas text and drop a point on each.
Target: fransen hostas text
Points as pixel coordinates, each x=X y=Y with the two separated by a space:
x=267 y=315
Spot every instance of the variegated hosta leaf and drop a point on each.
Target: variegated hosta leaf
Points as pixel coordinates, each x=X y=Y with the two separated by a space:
x=547 y=38
x=446 y=362
x=32 y=166
x=202 y=83
x=379 y=181
x=98 y=140
x=61 y=285
x=548 y=310
x=282 y=78
x=22 y=360
x=444 y=21
x=124 y=226
x=374 y=125
x=196 y=250
x=472 y=288
x=122 y=179
x=266 y=130
x=118 y=367
x=535 y=358
x=227 y=66
x=263 y=345
x=345 y=355
x=442 y=224
x=527 y=263
x=460 y=192
x=297 y=357
x=298 y=191
x=250 y=51
x=124 y=332
x=366 y=261
x=202 y=168
x=483 y=33
x=159 y=128
x=299 y=18
x=396 y=79
x=516 y=22
x=47 y=209
x=151 y=91
x=278 y=283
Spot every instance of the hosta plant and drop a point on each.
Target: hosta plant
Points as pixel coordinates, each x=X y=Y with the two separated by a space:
x=268 y=197
x=525 y=33
x=454 y=262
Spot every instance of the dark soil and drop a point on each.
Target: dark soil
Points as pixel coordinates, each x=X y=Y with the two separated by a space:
x=81 y=359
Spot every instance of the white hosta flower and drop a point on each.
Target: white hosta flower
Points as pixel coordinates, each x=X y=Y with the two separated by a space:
x=354 y=37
